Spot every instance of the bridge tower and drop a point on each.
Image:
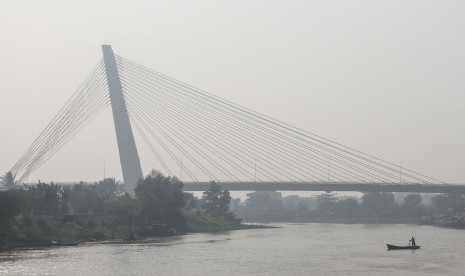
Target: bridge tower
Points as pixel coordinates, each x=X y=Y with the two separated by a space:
x=129 y=158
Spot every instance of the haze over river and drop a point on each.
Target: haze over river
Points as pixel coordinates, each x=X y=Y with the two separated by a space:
x=294 y=249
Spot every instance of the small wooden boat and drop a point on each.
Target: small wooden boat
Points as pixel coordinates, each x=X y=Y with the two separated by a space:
x=395 y=247
x=54 y=243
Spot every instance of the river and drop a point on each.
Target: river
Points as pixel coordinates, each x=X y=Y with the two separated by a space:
x=294 y=249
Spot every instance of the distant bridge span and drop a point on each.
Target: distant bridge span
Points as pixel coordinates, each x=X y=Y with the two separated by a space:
x=331 y=186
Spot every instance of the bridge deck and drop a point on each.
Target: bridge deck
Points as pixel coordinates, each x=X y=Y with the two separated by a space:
x=325 y=186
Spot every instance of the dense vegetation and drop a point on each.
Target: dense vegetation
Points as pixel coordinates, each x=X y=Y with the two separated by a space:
x=327 y=207
x=44 y=212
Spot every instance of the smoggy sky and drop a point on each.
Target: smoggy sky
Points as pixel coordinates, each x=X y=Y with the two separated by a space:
x=384 y=77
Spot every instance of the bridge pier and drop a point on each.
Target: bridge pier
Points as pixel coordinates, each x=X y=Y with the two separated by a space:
x=129 y=158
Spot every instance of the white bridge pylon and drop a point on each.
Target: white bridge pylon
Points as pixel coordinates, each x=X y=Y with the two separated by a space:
x=129 y=158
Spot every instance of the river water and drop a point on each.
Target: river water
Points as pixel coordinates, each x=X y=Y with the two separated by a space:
x=294 y=249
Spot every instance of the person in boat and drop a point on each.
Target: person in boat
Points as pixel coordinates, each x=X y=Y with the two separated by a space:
x=412 y=241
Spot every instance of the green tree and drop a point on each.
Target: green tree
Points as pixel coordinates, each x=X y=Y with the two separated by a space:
x=348 y=208
x=8 y=180
x=215 y=200
x=65 y=199
x=161 y=199
x=446 y=203
x=263 y=206
x=327 y=203
x=235 y=204
x=265 y=201
x=106 y=189
x=378 y=203
x=45 y=199
x=10 y=206
x=412 y=206
x=192 y=202
x=84 y=199
x=412 y=199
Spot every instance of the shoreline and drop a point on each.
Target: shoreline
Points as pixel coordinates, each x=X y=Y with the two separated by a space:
x=149 y=239
x=22 y=245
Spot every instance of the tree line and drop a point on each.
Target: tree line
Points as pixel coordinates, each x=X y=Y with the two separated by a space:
x=159 y=201
x=270 y=206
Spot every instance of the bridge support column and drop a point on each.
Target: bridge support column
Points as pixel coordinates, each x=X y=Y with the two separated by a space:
x=129 y=158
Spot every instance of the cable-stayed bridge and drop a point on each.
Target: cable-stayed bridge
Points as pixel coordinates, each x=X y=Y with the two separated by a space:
x=200 y=137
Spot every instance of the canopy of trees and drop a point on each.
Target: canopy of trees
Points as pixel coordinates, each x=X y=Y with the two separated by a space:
x=8 y=180
x=159 y=204
x=161 y=199
x=215 y=200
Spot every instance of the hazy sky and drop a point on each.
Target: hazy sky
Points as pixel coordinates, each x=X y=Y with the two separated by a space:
x=385 y=77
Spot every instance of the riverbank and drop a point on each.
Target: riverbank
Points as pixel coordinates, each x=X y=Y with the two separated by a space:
x=363 y=220
x=206 y=224
x=441 y=221
x=73 y=234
